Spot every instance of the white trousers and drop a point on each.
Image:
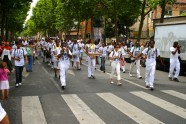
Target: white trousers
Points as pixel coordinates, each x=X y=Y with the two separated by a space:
x=123 y=67
x=63 y=71
x=150 y=73
x=91 y=66
x=174 y=64
x=115 y=66
x=137 y=62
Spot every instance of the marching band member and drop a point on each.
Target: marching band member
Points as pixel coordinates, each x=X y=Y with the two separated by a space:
x=56 y=51
x=115 y=56
x=134 y=52
x=91 y=55
x=64 y=63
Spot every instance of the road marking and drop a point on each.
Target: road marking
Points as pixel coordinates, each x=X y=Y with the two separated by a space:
x=176 y=94
x=162 y=103
x=122 y=79
x=82 y=112
x=128 y=109
x=32 y=112
x=56 y=85
x=71 y=72
x=45 y=70
x=38 y=62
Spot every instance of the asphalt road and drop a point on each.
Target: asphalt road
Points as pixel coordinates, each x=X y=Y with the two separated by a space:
x=40 y=100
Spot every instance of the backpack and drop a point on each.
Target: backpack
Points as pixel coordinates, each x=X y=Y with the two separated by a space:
x=29 y=51
x=16 y=49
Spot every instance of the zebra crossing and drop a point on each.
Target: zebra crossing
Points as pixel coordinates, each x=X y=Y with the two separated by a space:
x=83 y=112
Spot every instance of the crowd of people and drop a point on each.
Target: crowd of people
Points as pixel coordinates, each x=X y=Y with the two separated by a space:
x=61 y=54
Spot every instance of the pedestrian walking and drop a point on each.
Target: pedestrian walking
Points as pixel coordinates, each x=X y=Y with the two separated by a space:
x=55 y=52
x=124 y=50
x=174 y=61
x=91 y=56
x=134 y=52
x=103 y=51
x=4 y=83
x=115 y=56
x=29 y=54
x=64 y=63
x=6 y=55
x=151 y=54
x=20 y=59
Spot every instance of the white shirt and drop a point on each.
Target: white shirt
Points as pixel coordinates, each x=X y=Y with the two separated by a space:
x=64 y=59
x=124 y=50
x=135 y=51
x=103 y=50
x=75 y=49
x=82 y=46
x=110 y=48
x=116 y=53
x=2 y=113
x=175 y=56
x=151 y=53
x=19 y=53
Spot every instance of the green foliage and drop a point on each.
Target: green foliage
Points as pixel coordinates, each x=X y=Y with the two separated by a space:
x=183 y=14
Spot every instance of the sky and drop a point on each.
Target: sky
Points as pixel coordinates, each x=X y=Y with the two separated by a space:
x=33 y=4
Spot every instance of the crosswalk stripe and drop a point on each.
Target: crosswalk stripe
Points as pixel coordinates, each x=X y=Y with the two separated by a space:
x=175 y=93
x=82 y=112
x=128 y=109
x=162 y=103
x=32 y=112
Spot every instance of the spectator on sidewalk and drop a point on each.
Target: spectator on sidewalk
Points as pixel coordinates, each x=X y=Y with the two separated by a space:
x=20 y=58
x=4 y=84
x=6 y=55
x=29 y=54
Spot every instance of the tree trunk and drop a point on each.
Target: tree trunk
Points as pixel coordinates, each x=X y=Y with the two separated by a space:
x=86 y=25
x=163 y=4
x=141 y=20
x=3 y=23
x=92 y=28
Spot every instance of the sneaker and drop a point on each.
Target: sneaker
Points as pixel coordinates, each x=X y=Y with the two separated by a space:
x=119 y=83
x=130 y=75
x=62 y=87
x=123 y=71
x=140 y=77
x=176 y=79
x=147 y=86
x=17 y=85
x=103 y=71
x=93 y=77
x=170 y=78
x=112 y=82
x=20 y=84
x=151 y=88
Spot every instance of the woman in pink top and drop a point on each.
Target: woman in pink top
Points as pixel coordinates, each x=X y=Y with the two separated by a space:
x=4 y=84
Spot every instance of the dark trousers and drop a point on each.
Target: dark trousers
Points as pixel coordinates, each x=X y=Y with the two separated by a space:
x=102 y=68
x=18 y=72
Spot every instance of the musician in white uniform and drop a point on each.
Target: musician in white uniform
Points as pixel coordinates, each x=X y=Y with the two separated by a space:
x=64 y=63
x=174 y=61
x=115 y=56
x=134 y=52
x=90 y=51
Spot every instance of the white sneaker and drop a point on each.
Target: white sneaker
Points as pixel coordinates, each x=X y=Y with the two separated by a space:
x=119 y=83
x=20 y=84
x=140 y=77
x=17 y=85
x=111 y=82
x=130 y=75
